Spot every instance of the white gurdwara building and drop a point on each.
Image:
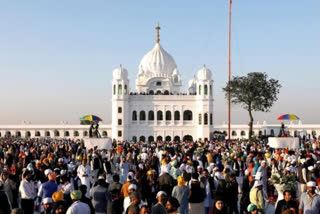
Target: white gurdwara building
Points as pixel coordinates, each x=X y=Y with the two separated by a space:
x=158 y=110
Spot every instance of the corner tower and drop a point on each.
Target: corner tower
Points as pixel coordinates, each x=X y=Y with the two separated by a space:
x=120 y=103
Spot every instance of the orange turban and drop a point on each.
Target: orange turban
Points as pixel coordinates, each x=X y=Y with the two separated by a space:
x=57 y=196
x=180 y=181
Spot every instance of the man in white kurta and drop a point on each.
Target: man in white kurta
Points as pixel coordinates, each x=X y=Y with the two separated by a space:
x=84 y=173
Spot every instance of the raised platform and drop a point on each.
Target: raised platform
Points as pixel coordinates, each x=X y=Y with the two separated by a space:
x=284 y=142
x=100 y=143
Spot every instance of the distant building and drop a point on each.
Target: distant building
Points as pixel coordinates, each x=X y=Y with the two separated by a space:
x=158 y=109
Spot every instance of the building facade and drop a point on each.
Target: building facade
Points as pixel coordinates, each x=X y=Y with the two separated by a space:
x=157 y=109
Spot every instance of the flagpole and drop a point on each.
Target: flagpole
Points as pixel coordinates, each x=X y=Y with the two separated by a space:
x=229 y=71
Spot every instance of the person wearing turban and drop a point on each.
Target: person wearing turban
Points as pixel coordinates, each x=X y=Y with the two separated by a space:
x=77 y=206
x=47 y=189
x=181 y=192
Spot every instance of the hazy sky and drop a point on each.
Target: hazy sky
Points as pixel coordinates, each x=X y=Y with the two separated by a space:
x=57 y=57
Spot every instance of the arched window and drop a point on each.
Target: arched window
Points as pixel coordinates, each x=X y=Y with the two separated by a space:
x=188 y=137
x=187 y=115
x=200 y=119
x=158 y=92
x=18 y=134
x=159 y=138
x=205 y=89
x=225 y=133
x=76 y=134
x=243 y=133
x=134 y=139
x=8 y=134
x=272 y=132
x=28 y=134
x=199 y=92
x=47 y=134
x=142 y=115
x=176 y=115
x=151 y=92
x=205 y=119
x=176 y=138
x=211 y=119
x=120 y=89
x=210 y=89
x=134 y=115
x=159 y=115
x=168 y=138
x=168 y=115
x=105 y=134
x=150 y=139
x=119 y=122
x=313 y=133
x=151 y=115
x=66 y=134
x=37 y=134
x=142 y=138
x=114 y=89
x=234 y=133
x=166 y=92
x=85 y=133
x=125 y=89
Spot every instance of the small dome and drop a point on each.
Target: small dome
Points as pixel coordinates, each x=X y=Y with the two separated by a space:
x=120 y=73
x=175 y=72
x=204 y=73
x=158 y=62
x=192 y=82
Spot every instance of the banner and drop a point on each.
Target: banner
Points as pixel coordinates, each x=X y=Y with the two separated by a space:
x=284 y=142
x=100 y=143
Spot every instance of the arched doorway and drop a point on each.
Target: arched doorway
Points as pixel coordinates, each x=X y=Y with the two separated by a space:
x=168 y=138
x=142 y=138
x=176 y=138
x=187 y=138
x=8 y=134
x=159 y=138
x=66 y=134
x=47 y=134
x=37 y=134
x=28 y=134
x=76 y=134
x=151 y=115
x=105 y=134
x=85 y=133
x=166 y=92
x=18 y=134
x=187 y=115
x=134 y=139
x=150 y=139
x=56 y=133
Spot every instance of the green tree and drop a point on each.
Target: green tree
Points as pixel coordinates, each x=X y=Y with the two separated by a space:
x=254 y=92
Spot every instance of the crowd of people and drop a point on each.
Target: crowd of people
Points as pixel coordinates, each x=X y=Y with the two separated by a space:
x=61 y=176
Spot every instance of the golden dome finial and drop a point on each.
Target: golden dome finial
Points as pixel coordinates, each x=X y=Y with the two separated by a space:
x=158 y=34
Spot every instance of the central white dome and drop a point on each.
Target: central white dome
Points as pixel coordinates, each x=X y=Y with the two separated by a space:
x=157 y=63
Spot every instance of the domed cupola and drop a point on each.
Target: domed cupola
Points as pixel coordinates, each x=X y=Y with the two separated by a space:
x=204 y=74
x=120 y=73
x=157 y=62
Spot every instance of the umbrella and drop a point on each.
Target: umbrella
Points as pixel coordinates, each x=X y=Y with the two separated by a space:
x=90 y=118
x=288 y=117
